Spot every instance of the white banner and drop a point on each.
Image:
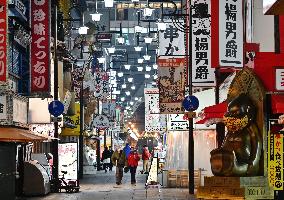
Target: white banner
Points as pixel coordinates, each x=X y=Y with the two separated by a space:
x=231 y=33
x=3 y=107
x=202 y=73
x=20 y=111
x=171 y=41
x=177 y=122
x=67 y=160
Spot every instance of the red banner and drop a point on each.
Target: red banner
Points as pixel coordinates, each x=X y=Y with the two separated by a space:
x=40 y=45
x=3 y=41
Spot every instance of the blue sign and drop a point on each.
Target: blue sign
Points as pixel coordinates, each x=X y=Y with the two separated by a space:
x=190 y=103
x=56 y=108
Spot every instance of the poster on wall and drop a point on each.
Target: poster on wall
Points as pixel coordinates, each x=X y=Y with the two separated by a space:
x=154 y=121
x=3 y=41
x=40 y=32
x=171 y=42
x=275 y=158
x=3 y=107
x=202 y=72
x=67 y=160
x=231 y=33
x=172 y=81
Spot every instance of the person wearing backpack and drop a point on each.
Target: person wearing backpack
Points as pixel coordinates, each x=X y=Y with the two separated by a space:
x=132 y=161
x=119 y=160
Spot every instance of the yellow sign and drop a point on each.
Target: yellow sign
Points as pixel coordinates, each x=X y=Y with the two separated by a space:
x=75 y=120
x=275 y=160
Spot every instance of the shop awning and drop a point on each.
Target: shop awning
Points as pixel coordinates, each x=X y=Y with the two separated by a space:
x=277 y=102
x=18 y=135
x=213 y=112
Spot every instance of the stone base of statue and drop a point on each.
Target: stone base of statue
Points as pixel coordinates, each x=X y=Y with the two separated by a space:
x=235 y=188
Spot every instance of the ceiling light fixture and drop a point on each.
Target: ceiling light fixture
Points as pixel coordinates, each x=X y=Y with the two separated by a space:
x=120 y=74
x=161 y=25
x=127 y=93
x=130 y=79
x=123 y=86
x=111 y=49
x=148 y=40
x=120 y=40
x=83 y=30
x=147 y=57
x=101 y=60
x=127 y=66
x=140 y=60
x=155 y=76
x=133 y=87
x=131 y=103
x=138 y=48
x=122 y=98
x=148 y=68
x=155 y=66
x=140 y=69
x=96 y=16
x=147 y=75
x=148 y=12
x=136 y=98
x=108 y=3
x=138 y=29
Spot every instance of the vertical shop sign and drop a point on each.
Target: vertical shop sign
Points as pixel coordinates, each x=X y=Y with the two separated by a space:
x=67 y=157
x=154 y=121
x=202 y=72
x=231 y=33
x=40 y=45
x=73 y=121
x=101 y=81
x=20 y=111
x=279 y=78
x=171 y=41
x=3 y=41
x=275 y=160
x=3 y=107
x=172 y=80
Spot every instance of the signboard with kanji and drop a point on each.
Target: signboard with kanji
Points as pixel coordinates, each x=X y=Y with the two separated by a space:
x=202 y=72
x=275 y=159
x=231 y=33
x=279 y=79
x=74 y=121
x=40 y=46
x=171 y=41
x=3 y=41
x=3 y=107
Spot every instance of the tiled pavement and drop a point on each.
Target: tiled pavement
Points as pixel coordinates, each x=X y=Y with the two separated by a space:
x=101 y=186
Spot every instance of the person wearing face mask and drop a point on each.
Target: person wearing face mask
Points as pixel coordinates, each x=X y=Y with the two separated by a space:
x=132 y=161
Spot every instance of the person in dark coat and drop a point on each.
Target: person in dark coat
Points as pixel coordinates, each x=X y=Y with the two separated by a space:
x=119 y=160
x=110 y=152
x=106 y=158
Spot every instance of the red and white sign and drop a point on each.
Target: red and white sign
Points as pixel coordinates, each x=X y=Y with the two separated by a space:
x=279 y=79
x=3 y=41
x=40 y=46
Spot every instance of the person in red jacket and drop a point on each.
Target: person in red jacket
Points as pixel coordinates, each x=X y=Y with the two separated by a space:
x=133 y=159
x=145 y=157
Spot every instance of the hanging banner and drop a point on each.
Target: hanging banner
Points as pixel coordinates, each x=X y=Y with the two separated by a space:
x=177 y=122
x=101 y=122
x=67 y=160
x=154 y=121
x=275 y=158
x=202 y=72
x=108 y=109
x=231 y=33
x=171 y=42
x=40 y=50
x=3 y=41
x=172 y=81
x=72 y=123
x=3 y=107
x=101 y=81
x=77 y=77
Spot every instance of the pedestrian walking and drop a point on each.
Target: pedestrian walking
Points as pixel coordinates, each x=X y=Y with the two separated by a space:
x=145 y=157
x=110 y=153
x=133 y=159
x=106 y=159
x=127 y=150
x=119 y=160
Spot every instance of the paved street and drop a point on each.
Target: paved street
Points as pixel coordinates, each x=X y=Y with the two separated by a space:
x=102 y=186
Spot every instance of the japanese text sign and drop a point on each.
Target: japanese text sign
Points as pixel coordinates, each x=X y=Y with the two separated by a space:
x=73 y=120
x=231 y=33
x=171 y=41
x=3 y=107
x=275 y=160
x=3 y=41
x=40 y=45
x=279 y=78
x=202 y=73
x=67 y=160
